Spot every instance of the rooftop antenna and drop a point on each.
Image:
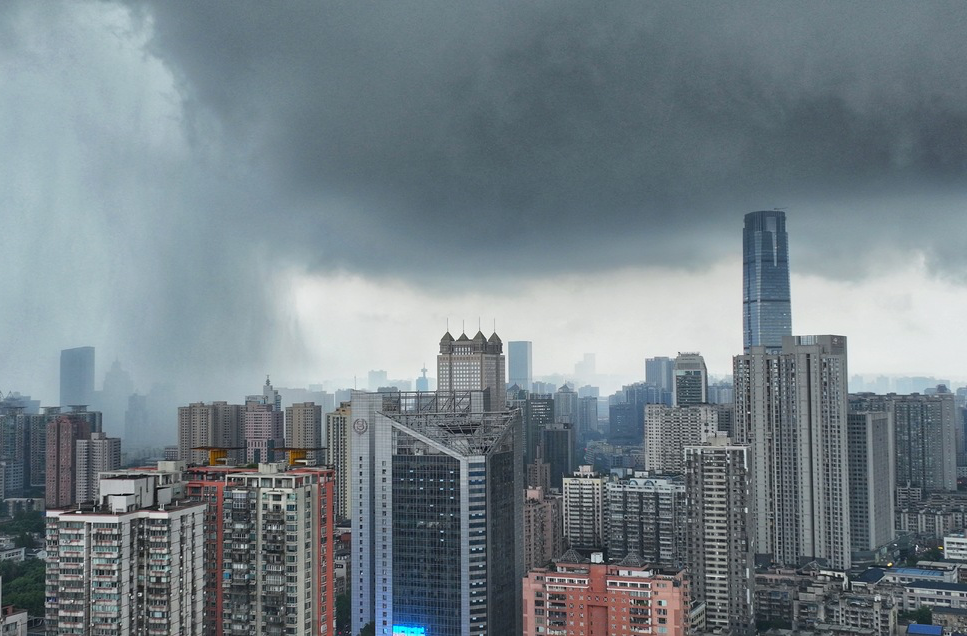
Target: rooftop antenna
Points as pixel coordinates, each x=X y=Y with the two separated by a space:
x=463 y=326
x=479 y=328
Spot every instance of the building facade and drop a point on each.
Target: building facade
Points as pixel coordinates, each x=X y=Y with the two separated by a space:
x=218 y=424
x=584 y=506
x=645 y=515
x=131 y=565
x=669 y=429
x=791 y=408
x=338 y=451
x=77 y=376
x=543 y=527
x=303 y=429
x=520 y=363
x=766 y=306
x=691 y=380
x=436 y=479
x=872 y=480
x=578 y=597
x=98 y=454
x=720 y=547
x=473 y=365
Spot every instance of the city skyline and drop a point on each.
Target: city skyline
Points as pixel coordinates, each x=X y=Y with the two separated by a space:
x=207 y=233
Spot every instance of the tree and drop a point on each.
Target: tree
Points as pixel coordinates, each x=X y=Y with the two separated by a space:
x=343 y=610
x=369 y=629
x=922 y=616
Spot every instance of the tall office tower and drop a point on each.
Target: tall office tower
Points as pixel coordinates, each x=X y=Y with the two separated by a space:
x=926 y=455
x=538 y=414
x=719 y=548
x=63 y=432
x=557 y=449
x=263 y=428
x=303 y=429
x=691 y=380
x=791 y=407
x=766 y=309
x=658 y=372
x=520 y=363
x=136 y=422
x=565 y=405
x=578 y=597
x=669 y=429
x=129 y=566
x=584 y=503
x=587 y=422
x=112 y=400
x=645 y=515
x=277 y=552
x=543 y=528
x=472 y=365
x=872 y=480
x=77 y=376
x=95 y=455
x=338 y=451
x=437 y=498
x=218 y=424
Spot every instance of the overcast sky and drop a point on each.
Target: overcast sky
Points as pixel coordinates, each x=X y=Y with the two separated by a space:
x=213 y=191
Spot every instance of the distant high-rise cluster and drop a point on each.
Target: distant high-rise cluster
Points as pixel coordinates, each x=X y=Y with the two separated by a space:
x=748 y=504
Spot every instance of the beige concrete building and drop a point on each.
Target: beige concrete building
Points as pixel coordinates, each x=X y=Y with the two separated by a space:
x=338 y=451
x=584 y=505
x=669 y=429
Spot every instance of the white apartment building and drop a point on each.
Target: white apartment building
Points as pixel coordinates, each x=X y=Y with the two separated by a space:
x=584 y=505
x=130 y=565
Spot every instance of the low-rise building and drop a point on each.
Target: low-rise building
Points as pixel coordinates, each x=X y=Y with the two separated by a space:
x=578 y=597
x=917 y=594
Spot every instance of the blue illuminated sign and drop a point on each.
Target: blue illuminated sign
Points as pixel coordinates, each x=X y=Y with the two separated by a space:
x=408 y=630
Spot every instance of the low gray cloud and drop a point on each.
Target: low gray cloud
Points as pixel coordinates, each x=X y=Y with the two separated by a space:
x=513 y=136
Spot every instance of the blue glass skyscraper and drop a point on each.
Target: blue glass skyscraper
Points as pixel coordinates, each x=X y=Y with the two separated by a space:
x=766 y=312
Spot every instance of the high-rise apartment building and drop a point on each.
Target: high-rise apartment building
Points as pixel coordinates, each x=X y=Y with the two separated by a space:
x=520 y=363
x=645 y=515
x=566 y=405
x=538 y=414
x=95 y=455
x=437 y=513
x=218 y=424
x=669 y=429
x=77 y=376
x=277 y=555
x=338 y=451
x=130 y=565
x=543 y=528
x=473 y=365
x=872 y=480
x=925 y=437
x=719 y=547
x=263 y=428
x=578 y=597
x=63 y=432
x=791 y=408
x=584 y=505
x=557 y=449
x=691 y=380
x=766 y=306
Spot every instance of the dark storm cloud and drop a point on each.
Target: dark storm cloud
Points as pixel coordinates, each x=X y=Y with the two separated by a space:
x=510 y=136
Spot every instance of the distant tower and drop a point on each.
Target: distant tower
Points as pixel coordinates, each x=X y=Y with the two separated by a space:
x=423 y=382
x=467 y=365
x=77 y=376
x=658 y=371
x=520 y=363
x=766 y=311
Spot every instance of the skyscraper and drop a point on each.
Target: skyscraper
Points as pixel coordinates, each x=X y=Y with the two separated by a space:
x=791 y=407
x=77 y=376
x=437 y=498
x=520 y=363
x=96 y=455
x=473 y=365
x=338 y=451
x=766 y=312
x=216 y=424
x=63 y=432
